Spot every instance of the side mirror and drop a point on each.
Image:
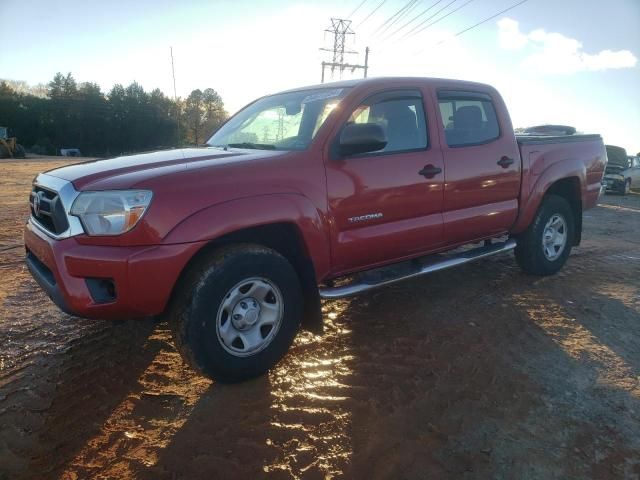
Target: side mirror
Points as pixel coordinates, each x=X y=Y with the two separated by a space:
x=293 y=108
x=362 y=138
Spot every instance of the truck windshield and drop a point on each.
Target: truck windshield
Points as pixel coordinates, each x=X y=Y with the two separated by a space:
x=287 y=121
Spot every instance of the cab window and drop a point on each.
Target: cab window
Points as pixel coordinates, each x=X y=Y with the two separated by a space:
x=468 y=118
x=400 y=115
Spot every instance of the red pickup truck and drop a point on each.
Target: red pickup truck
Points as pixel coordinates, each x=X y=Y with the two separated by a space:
x=318 y=192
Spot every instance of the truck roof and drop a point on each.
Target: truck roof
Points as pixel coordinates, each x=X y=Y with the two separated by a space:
x=389 y=81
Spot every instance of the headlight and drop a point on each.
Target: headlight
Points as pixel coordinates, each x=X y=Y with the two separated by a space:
x=111 y=212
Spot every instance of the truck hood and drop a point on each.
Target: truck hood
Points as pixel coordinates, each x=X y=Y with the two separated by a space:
x=127 y=171
x=614 y=169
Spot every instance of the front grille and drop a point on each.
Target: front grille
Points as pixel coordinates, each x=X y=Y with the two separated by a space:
x=47 y=210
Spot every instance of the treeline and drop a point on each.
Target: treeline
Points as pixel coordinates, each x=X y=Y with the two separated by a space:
x=124 y=120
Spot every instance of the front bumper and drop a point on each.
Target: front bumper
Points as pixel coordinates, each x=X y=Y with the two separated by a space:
x=143 y=277
x=613 y=184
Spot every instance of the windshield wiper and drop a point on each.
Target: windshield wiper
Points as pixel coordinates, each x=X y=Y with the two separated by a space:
x=257 y=146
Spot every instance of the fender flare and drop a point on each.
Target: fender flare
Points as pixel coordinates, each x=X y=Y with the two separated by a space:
x=214 y=221
x=530 y=201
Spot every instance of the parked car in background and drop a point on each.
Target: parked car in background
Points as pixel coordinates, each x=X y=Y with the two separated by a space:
x=70 y=152
x=622 y=172
x=318 y=192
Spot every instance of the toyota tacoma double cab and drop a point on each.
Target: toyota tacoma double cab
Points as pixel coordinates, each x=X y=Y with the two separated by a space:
x=317 y=192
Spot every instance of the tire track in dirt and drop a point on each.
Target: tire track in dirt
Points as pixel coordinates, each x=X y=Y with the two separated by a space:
x=479 y=372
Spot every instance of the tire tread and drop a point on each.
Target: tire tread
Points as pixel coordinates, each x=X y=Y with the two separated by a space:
x=528 y=253
x=182 y=307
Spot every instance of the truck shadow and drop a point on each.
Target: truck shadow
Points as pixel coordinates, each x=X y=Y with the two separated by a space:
x=478 y=372
x=411 y=382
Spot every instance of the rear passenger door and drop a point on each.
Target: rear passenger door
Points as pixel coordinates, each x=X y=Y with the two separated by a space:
x=482 y=165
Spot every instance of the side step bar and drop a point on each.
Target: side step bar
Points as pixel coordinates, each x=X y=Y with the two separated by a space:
x=401 y=271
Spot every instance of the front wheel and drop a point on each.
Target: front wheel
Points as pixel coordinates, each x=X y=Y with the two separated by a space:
x=545 y=246
x=238 y=312
x=19 y=152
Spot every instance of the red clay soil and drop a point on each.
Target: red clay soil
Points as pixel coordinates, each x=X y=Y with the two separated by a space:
x=478 y=372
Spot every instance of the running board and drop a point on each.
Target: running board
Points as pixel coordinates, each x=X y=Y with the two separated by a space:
x=401 y=271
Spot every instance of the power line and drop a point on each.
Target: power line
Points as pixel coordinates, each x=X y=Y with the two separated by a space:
x=442 y=18
x=393 y=17
x=426 y=20
x=413 y=19
x=356 y=9
x=403 y=15
x=483 y=21
x=374 y=11
x=400 y=17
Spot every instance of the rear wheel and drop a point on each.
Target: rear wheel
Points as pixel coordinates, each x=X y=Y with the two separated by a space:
x=238 y=312
x=545 y=246
x=627 y=187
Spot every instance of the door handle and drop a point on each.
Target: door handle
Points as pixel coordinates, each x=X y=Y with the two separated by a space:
x=505 y=161
x=430 y=171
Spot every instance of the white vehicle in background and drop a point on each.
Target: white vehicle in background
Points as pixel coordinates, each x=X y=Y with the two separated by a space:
x=622 y=172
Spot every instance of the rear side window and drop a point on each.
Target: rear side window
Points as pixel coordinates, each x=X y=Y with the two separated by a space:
x=400 y=114
x=468 y=118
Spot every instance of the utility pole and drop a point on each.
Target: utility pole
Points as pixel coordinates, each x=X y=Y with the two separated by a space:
x=175 y=95
x=280 y=134
x=173 y=72
x=366 y=61
x=340 y=28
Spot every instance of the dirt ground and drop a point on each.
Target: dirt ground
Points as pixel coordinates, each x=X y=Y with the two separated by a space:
x=477 y=372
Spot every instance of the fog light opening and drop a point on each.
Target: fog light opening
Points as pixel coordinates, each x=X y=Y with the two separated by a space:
x=102 y=290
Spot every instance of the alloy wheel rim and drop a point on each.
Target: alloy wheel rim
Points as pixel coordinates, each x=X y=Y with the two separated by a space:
x=554 y=237
x=249 y=316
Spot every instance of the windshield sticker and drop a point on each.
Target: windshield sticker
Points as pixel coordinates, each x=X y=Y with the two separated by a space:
x=322 y=95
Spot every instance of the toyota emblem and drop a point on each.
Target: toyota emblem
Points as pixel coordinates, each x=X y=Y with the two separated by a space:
x=36 y=204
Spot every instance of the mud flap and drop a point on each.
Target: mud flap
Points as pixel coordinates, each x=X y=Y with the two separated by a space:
x=312 y=313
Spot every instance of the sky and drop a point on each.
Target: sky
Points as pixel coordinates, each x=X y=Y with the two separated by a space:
x=572 y=62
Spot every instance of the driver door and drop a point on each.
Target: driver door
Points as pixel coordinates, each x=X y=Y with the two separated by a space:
x=387 y=205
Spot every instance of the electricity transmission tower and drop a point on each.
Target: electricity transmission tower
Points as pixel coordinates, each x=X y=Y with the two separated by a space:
x=341 y=28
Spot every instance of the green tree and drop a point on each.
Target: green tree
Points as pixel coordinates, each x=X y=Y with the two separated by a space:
x=93 y=114
x=64 y=115
x=125 y=120
x=215 y=114
x=194 y=115
x=116 y=131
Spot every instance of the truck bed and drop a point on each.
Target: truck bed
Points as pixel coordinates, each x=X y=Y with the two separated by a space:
x=543 y=139
x=545 y=158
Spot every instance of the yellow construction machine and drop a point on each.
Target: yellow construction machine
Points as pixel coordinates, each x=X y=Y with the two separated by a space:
x=9 y=146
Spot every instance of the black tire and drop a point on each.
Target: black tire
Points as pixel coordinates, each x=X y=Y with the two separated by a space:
x=626 y=189
x=4 y=152
x=19 y=152
x=200 y=296
x=529 y=251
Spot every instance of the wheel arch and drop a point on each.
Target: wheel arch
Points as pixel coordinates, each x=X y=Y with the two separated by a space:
x=569 y=189
x=567 y=179
x=282 y=237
